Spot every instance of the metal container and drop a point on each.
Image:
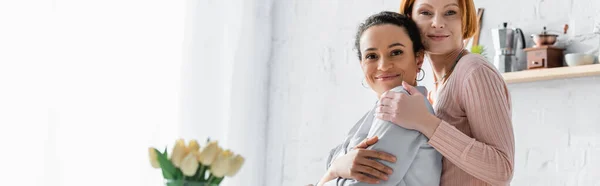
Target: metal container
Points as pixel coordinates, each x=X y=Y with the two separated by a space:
x=505 y=43
x=544 y=39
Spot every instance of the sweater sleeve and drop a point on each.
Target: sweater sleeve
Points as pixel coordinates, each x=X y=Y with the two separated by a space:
x=489 y=154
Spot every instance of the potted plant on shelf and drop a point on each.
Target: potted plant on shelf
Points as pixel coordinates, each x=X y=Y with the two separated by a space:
x=479 y=49
x=190 y=165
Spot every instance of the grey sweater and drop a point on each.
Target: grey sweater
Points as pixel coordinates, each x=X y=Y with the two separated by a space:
x=417 y=162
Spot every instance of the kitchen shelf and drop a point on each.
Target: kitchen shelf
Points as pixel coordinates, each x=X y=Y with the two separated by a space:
x=552 y=73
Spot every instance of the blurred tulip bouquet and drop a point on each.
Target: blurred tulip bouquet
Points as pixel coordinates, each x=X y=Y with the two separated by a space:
x=190 y=165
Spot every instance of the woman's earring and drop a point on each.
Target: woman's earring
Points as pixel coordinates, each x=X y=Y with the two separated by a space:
x=422 y=73
x=363 y=83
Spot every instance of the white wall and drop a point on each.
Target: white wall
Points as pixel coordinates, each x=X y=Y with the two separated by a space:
x=557 y=132
x=314 y=71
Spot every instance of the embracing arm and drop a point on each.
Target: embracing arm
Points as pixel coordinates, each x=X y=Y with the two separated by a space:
x=417 y=162
x=489 y=155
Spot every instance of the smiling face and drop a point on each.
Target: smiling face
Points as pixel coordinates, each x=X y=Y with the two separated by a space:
x=440 y=22
x=388 y=58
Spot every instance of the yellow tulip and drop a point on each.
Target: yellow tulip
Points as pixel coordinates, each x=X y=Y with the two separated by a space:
x=189 y=164
x=209 y=153
x=193 y=146
x=179 y=152
x=221 y=165
x=153 y=157
x=236 y=163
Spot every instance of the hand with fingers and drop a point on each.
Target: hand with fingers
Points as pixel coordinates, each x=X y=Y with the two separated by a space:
x=407 y=110
x=360 y=164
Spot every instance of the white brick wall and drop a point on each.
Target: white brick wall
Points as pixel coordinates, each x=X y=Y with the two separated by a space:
x=557 y=132
x=313 y=71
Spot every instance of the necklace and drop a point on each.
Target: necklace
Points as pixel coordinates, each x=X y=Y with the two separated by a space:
x=446 y=74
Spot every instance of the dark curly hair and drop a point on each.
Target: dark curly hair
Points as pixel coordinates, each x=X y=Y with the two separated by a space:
x=392 y=18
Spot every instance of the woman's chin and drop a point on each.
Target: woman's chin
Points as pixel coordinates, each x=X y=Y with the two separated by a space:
x=439 y=50
x=440 y=47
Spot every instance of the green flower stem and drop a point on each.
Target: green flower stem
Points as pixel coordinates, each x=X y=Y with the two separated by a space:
x=210 y=179
x=219 y=180
x=200 y=174
x=203 y=173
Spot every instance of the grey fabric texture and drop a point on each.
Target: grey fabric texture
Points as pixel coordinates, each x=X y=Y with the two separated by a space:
x=417 y=162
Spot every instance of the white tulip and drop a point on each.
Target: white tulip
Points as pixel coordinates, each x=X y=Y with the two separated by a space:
x=179 y=152
x=209 y=153
x=236 y=163
x=153 y=157
x=189 y=164
x=221 y=165
x=193 y=146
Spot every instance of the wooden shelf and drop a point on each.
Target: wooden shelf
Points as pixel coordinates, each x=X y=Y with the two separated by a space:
x=552 y=73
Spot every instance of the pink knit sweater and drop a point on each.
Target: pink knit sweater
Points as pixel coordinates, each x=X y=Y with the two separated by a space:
x=475 y=135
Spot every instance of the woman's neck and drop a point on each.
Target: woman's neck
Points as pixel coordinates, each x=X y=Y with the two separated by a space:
x=442 y=63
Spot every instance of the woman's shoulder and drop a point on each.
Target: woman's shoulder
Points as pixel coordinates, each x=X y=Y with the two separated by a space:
x=472 y=65
x=472 y=62
x=474 y=71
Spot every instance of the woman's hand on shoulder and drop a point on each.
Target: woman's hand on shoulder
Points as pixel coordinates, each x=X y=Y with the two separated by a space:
x=408 y=111
x=360 y=164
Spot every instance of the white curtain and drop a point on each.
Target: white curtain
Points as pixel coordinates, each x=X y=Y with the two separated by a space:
x=225 y=85
x=87 y=86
